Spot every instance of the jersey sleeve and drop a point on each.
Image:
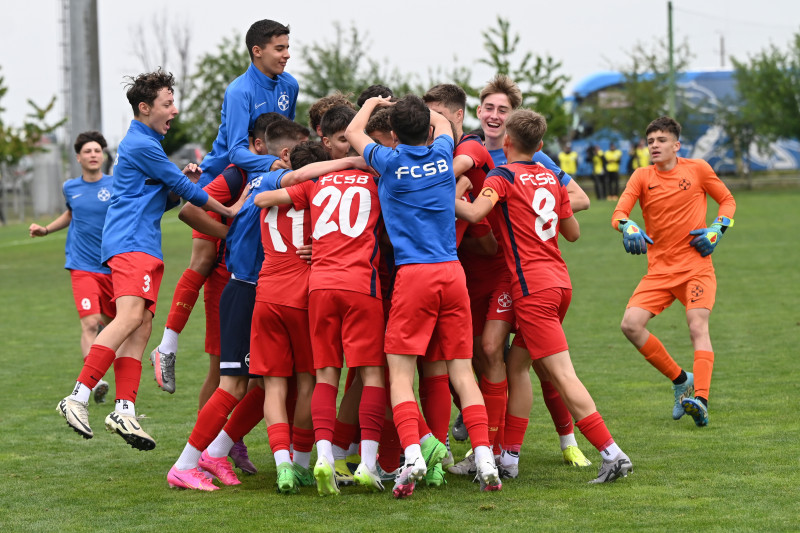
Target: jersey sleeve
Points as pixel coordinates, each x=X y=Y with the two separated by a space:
x=154 y=162
x=544 y=160
x=226 y=186
x=300 y=193
x=376 y=156
x=237 y=118
x=498 y=180
x=717 y=190
x=629 y=197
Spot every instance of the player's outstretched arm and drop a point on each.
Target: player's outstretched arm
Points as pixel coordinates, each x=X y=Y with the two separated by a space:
x=578 y=199
x=569 y=228
x=706 y=239
x=354 y=133
x=197 y=219
x=271 y=198
x=477 y=210
x=59 y=223
x=320 y=168
x=634 y=239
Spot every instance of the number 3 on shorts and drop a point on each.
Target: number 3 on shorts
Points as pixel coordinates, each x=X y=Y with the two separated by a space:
x=146 y=286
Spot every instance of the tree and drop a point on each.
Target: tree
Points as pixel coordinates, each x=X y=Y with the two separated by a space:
x=538 y=77
x=769 y=85
x=739 y=135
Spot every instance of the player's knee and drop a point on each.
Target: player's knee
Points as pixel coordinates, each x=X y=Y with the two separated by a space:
x=630 y=328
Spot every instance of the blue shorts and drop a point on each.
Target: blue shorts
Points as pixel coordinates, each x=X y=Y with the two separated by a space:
x=235 y=316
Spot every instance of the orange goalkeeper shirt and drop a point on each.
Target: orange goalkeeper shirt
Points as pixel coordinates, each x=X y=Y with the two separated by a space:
x=673 y=204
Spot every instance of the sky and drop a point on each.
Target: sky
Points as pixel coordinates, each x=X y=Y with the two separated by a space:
x=587 y=36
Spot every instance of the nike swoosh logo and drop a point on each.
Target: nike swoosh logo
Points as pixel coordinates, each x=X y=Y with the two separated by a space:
x=503 y=310
x=76 y=195
x=259 y=105
x=693 y=300
x=652 y=186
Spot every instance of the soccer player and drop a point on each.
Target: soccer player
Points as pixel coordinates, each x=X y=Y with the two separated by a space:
x=416 y=191
x=145 y=184
x=334 y=122
x=345 y=308
x=672 y=194
x=87 y=198
x=321 y=106
x=536 y=207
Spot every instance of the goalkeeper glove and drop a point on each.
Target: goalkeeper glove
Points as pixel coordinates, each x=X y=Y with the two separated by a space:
x=634 y=239
x=707 y=238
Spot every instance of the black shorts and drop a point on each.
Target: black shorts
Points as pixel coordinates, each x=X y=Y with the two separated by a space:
x=235 y=316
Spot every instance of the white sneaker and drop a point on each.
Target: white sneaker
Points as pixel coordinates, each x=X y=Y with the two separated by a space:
x=100 y=390
x=368 y=478
x=613 y=470
x=127 y=427
x=465 y=467
x=488 y=476
x=77 y=415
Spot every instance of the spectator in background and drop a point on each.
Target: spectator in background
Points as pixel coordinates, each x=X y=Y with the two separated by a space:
x=612 y=157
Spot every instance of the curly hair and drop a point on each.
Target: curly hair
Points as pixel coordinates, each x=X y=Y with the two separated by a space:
x=145 y=88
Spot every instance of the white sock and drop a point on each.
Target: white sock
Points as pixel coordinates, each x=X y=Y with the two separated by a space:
x=125 y=407
x=282 y=456
x=189 y=458
x=339 y=453
x=567 y=440
x=369 y=453
x=302 y=458
x=169 y=342
x=412 y=452
x=353 y=449
x=508 y=458
x=611 y=453
x=80 y=393
x=425 y=437
x=325 y=450
x=483 y=453
x=220 y=446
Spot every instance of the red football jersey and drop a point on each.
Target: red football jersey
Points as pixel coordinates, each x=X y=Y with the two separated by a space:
x=531 y=202
x=226 y=189
x=345 y=221
x=283 y=278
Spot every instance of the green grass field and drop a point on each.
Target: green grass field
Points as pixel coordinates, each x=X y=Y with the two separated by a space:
x=739 y=473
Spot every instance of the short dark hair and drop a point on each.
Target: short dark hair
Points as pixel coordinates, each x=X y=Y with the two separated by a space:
x=526 y=129
x=479 y=132
x=89 y=137
x=283 y=133
x=145 y=88
x=668 y=124
x=307 y=152
x=449 y=95
x=336 y=119
x=321 y=106
x=372 y=91
x=379 y=120
x=263 y=122
x=261 y=32
x=410 y=120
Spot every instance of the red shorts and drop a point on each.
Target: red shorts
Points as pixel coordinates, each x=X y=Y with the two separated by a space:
x=197 y=235
x=539 y=316
x=212 y=291
x=430 y=298
x=280 y=342
x=137 y=274
x=93 y=293
x=346 y=323
x=695 y=290
x=490 y=299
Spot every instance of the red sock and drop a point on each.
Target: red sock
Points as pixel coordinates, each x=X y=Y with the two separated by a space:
x=406 y=420
x=436 y=404
x=323 y=411
x=183 y=299
x=343 y=434
x=495 y=396
x=703 y=365
x=127 y=374
x=302 y=439
x=595 y=431
x=212 y=418
x=246 y=415
x=655 y=354
x=390 y=449
x=96 y=364
x=558 y=409
x=515 y=433
x=370 y=413
x=279 y=438
x=477 y=425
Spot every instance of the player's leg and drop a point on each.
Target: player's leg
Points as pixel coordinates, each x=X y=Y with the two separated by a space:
x=247 y=414
x=212 y=294
x=278 y=430
x=520 y=401
x=493 y=382
x=371 y=412
x=346 y=429
x=697 y=407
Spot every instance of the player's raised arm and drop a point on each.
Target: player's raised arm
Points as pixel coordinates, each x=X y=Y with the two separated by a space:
x=477 y=210
x=354 y=133
x=441 y=126
x=271 y=198
x=320 y=168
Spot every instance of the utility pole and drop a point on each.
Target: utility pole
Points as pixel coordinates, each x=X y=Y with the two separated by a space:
x=671 y=97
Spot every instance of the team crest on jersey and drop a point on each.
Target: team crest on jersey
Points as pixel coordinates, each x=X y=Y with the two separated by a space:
x=247 y=360
x=256 y=182
x=697 y=291
x=103 y=194
x=504 y=300
x=283 y=102
x=684 y=184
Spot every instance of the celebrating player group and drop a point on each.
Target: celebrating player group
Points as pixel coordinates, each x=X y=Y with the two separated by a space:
x=397 y=245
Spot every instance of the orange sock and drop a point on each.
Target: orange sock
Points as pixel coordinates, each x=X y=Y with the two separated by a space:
x=703 y=365
x=655 y=354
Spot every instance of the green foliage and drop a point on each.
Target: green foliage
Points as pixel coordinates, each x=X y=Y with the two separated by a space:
x=215 y=70
x=15 y=142
x=538 y=77
x=643 y=94
x=769 y=84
